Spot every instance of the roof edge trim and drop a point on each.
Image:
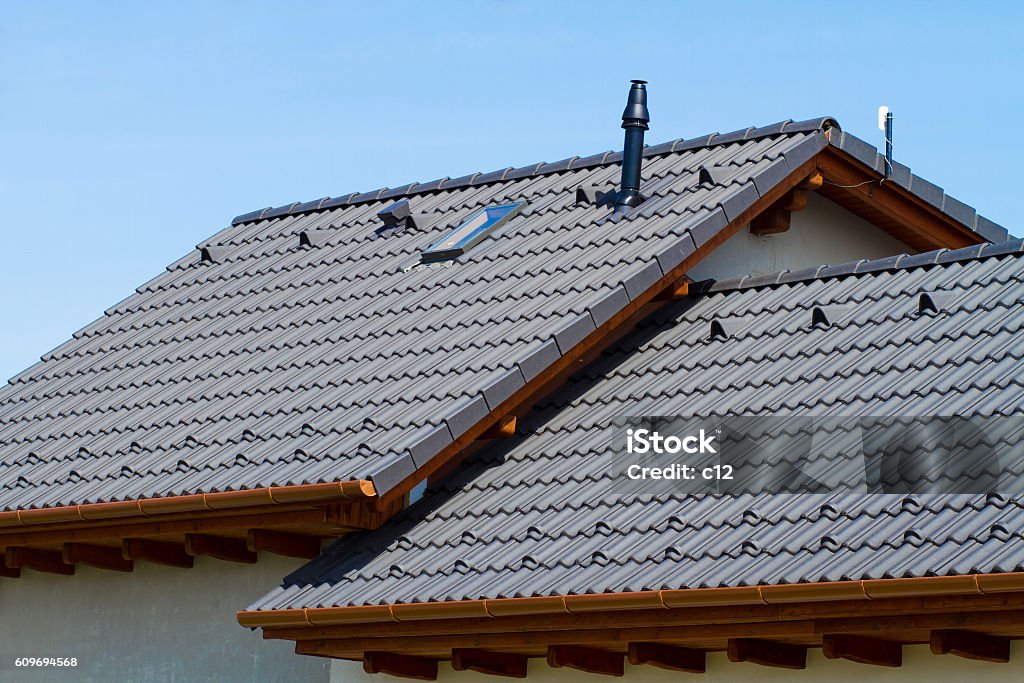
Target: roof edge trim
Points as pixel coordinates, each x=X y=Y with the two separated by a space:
x=354 y=490
x=867 y=589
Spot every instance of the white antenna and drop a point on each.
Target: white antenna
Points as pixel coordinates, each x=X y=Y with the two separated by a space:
x=882 y=111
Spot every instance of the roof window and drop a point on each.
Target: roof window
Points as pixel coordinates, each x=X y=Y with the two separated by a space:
x=470 y=232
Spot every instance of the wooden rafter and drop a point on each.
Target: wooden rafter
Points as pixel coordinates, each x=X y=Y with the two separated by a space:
x=862 y=649
x=228 y=549
x=101 y=557
x=767 y=653
x=489 y=662
x=403 y=666
x=48 y=561
x=970 y=644
x=504 y=428
x=281 y=543
x=665 y=656
x=157 y=552
x=586 y=659
x=680 y=289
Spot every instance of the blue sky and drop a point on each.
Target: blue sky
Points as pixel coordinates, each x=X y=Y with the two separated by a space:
x=131 y=131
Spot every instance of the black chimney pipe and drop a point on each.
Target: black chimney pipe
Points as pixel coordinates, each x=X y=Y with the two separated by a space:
x=634 y=121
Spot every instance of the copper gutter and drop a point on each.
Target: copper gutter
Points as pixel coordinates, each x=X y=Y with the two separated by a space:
x=354 y=490
x=870 y=589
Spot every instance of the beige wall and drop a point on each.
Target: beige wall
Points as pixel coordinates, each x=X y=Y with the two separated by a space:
x=156 y=624
x=821 y=233
x=918 y=665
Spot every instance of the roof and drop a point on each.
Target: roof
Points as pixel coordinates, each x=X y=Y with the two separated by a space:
x=528 y=518
x=259 y=362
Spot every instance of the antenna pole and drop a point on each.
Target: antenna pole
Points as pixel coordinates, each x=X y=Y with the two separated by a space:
x=888 y=145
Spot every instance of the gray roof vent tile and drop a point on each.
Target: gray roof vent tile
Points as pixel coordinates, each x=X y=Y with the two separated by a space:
x=213 y=254
x=911 y=505
x=713 y=175
x=723 y=329
x=934 y=302
x=829 y=315
x=399 y=215
x=830 y=543
x=596 y=195
x=529 y=562
x=314 y=238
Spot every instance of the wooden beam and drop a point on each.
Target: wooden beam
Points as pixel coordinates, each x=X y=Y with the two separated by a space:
x=667 y=657
x=504 y=428
x=795 y=201
x=813 y=182
x=847 y=178
x=228 y=549
x=586 y=659
x=48 y=561
x=680 y=289
x=862 y=649
x=216 y=521
x=767 y=653
x=99 y=556
x=282 y=543
x=971 y=645
x=157 y=552
x=771 y=222
x=403 y=666
x=489 y=662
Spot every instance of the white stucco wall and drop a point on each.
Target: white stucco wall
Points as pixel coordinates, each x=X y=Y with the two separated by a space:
x=823 y=232
x=918 y=665
x=157 y=623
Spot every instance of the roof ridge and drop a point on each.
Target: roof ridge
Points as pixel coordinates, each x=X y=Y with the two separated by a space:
x=898 y=262
x=532 y=170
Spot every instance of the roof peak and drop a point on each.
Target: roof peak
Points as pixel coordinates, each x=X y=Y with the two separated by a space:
x=786 y=127
x=861 y=266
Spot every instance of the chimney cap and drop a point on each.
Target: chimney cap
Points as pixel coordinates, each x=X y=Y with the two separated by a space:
x=636 y=112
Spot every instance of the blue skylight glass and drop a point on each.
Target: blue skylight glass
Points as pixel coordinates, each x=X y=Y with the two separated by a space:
x=470 y=231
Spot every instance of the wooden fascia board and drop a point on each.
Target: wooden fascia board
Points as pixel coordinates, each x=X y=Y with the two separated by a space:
x=875 y=596
x=318 y=504
x=845 y=175
x=195 y=523
x=811 y=632
x=148 y=508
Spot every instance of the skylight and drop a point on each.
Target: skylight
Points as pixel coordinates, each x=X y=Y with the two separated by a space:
x=471 y=231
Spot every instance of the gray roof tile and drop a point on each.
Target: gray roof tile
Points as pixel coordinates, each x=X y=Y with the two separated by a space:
x=534 y=516
x=208 y=376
